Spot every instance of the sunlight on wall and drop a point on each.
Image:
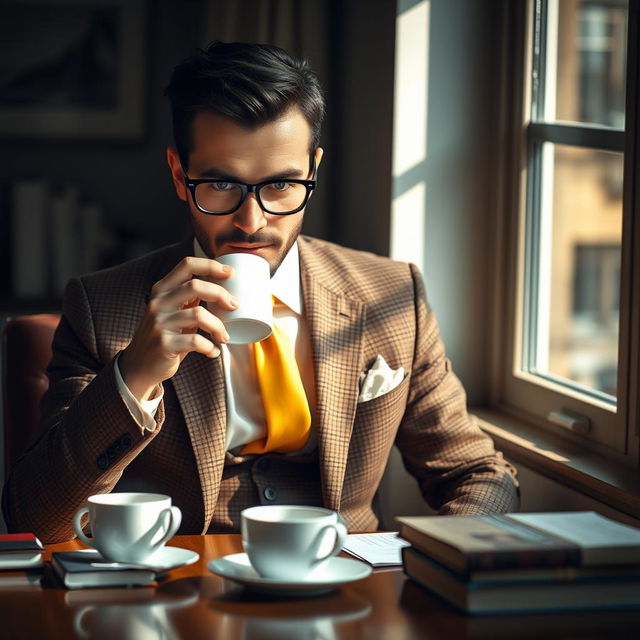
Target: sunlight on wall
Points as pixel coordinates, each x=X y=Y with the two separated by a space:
x=407 y=211
x=399 y=494
x=410 y=134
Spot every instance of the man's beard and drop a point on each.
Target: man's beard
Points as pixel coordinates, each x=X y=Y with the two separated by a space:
x=264 y=236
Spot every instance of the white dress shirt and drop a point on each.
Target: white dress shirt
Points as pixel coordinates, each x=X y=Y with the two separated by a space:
x=245 y=412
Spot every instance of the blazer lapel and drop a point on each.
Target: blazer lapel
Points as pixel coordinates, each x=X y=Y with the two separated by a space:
x=199 y=385
x=336 y=324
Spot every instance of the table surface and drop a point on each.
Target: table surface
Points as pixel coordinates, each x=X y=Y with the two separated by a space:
x=191 y=602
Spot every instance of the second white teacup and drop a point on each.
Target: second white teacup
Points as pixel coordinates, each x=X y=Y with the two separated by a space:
x=287 y=542
x=128 y=527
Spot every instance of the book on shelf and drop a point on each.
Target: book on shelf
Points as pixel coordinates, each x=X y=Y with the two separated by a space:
x=526 y=590
x=65 y=248
x=20 y=551
x=29 y=201
x=78 y=569
x=505 y=541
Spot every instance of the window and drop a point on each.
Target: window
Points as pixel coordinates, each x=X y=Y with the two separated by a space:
x=572 y=361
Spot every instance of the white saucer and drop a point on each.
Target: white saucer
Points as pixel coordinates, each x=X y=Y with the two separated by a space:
x=337 y=571
x=162 y=560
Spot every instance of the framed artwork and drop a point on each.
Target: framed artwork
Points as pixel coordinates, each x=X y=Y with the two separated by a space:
x=73 y=69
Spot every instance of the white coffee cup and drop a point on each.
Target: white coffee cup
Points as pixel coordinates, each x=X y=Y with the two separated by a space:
x=287 y=542
x=128 y=527
x=250 y=284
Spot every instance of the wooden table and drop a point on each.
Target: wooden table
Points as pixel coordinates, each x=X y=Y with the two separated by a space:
x=193 y=603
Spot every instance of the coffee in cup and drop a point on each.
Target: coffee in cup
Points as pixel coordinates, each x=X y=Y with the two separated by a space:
x=287 y=542
x=250 y=284
x=128 y=527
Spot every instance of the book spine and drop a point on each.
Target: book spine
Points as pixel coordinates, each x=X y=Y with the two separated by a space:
x=464 y=563
x=569 y=557
x=64 y=234
x=29 y=254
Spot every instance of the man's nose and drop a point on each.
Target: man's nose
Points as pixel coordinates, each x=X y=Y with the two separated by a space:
x=250 y=217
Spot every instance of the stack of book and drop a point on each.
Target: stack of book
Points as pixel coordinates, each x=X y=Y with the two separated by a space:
x=20 y=561
x=528 y=562
x=20 y=551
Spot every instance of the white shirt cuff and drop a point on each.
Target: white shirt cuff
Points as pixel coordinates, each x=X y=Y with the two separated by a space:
x=143 y=411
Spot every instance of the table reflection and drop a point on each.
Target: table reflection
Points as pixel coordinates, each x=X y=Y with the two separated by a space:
x=129 y=614
x=251 y=616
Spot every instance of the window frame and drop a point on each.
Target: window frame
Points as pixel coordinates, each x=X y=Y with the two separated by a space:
x=525 y=396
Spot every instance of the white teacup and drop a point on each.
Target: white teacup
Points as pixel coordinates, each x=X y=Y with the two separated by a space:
x=128 y=527
x=286 y=542
x=250 y=284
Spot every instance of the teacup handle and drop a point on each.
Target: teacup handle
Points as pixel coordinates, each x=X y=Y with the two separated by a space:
x=77 y=525
x=171 y=519
x=341 y=535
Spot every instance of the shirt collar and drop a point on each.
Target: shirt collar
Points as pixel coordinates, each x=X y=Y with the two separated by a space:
x=285 y=283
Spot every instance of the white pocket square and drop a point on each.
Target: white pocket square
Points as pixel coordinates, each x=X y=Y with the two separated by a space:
x=380 y=379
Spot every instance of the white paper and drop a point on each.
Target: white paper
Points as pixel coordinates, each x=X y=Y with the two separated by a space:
x=378 y=549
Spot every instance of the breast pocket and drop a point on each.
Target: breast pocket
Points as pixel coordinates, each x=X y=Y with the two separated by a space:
x=385 y=410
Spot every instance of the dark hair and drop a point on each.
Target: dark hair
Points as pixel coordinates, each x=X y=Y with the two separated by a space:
x=252 y=84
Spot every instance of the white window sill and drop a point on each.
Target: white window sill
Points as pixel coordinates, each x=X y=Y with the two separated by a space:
x=605 y=479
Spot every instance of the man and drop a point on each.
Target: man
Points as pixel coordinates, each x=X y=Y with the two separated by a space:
x=145 y=394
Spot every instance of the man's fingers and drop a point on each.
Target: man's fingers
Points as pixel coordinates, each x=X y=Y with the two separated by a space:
x=190 y=291
x=182 y=343
x=194 y=318
x=186 y=269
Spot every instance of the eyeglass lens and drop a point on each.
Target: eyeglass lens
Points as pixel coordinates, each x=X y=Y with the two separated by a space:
x=277 y=197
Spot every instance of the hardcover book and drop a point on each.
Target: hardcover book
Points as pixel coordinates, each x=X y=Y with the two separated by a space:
x=20 y=551
x=79 y=569
x=504 y=541
x=559 y=590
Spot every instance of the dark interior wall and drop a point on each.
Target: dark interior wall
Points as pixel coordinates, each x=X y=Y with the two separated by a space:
x=351 y=46
x=360 y=100
x=129 y=179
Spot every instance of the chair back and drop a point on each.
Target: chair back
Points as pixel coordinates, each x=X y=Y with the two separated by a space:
x=26 y=342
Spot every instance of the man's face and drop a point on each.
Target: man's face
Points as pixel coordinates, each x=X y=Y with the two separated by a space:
x=224 y=149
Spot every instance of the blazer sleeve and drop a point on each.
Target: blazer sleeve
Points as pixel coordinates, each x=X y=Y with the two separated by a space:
x=454 y=461
x=86 y=437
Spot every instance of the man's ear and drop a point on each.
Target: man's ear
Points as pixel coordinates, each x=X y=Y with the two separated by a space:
x=173 y=160
x=319 y=154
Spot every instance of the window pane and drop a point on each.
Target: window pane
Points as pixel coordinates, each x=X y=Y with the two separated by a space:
x=578 y=267
x=587 y=60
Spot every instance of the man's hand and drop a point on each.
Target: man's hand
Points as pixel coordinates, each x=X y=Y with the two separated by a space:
x=169 y=328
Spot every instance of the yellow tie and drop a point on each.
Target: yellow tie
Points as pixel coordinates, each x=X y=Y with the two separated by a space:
x=286 y=408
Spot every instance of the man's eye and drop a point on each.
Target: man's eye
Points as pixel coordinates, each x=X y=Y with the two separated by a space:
x=280 y=186
x=221 y=186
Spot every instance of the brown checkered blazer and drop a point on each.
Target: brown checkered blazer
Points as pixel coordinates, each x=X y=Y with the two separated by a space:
x=357 y=306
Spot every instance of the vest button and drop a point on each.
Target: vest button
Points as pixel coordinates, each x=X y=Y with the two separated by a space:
x=270 y=494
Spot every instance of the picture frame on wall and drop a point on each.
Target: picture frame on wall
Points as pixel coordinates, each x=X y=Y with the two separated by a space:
x=73 y=69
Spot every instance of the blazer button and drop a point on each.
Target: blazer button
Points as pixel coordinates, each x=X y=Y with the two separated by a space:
x=270 y=494
x=102 y=461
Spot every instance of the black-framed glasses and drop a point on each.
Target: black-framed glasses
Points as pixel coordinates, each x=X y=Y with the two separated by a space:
x=281 y=197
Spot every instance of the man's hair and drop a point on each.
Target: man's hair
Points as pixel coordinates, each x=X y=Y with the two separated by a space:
x=251 y=84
